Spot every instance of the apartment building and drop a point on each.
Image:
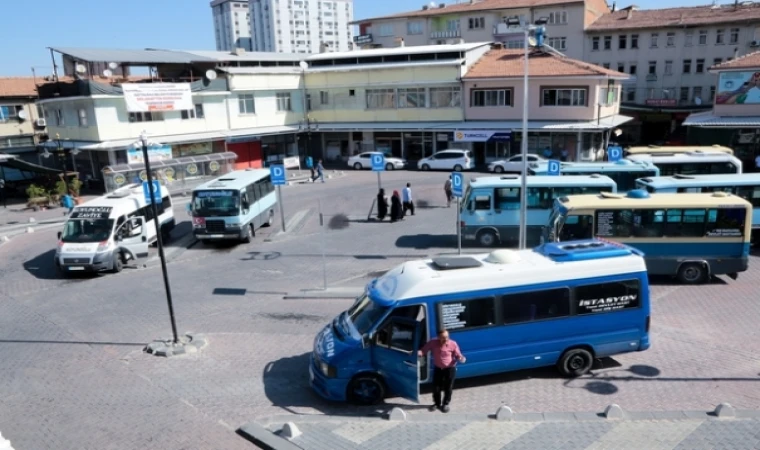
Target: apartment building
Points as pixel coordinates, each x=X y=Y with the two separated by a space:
x=20 y=124
x=232 y=24
x=668 y=53
x=301 y=26
x=484 y=21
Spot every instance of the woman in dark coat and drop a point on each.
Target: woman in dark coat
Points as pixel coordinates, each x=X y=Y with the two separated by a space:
x=382 y=205
x=396 y=208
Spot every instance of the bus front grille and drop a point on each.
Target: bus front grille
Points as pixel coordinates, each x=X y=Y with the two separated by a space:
x=215 y=226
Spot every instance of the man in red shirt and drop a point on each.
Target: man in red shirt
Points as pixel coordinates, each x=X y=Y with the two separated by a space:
x=445 y=356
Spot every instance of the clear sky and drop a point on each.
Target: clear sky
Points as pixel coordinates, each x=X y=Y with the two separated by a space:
x=33 y=25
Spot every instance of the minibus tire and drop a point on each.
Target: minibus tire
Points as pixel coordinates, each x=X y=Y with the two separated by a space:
x=118 y=264
x=248 y=234
x=575 y=362
x=487 y=235
x=369 y=381
x=692 y=273
x=270 y=219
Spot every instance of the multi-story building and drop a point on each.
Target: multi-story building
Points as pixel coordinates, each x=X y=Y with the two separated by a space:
x=232 y=24
x=301 y=26
x=668 y=53
x=734 y=119
x=20 y=123
x=484 y=21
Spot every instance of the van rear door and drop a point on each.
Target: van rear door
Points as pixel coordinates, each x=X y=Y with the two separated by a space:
x=394 y=353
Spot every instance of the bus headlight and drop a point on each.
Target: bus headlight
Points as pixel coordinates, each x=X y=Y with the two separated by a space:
x=327 y=370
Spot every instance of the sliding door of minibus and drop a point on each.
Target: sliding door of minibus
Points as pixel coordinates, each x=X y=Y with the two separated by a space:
x=394 y=353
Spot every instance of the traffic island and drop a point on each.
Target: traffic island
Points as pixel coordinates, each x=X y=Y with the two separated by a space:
x=189 y=343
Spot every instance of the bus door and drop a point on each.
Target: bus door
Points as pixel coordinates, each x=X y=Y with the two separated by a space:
x=481 y=210
x=394 y=353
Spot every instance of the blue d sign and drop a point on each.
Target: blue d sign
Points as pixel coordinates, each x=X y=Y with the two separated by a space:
x=614 y=153
x=553 y=168
x=457 y=182
x=378 y=162
x=156 y=191
x=277 y=174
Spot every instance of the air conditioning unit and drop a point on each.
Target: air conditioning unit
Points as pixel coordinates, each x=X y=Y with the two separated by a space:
x=40 y=123
x=754 y=44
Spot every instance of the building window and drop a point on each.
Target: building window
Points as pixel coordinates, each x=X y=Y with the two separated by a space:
x=595 y=43
x=146 y=116
x=712 y=93
x=719 y=37
x=668 y=68
x=717 y=61
x=632 y=69
x=686 y=66
x=670 y=39
x=476 y=23
x=652 y=67
x=82 y=114
x=697 y=94
x=283 y=101
x=381 y=98
x=608 y=96
x=653 y=40
x=557 y=18
x=10 y=112
x=386 y=29
x=60 y=121
x=445 y=97
x=622 y=41
x=412 y=98
x=559 y=43
x=606 y=65
x=195 y=113
x=324 y=97
x=564 y=96
x=702 y=37
x=733 y=38
x=630 y=95
x=515 y=43
x=684 y=94
x=246 y=104
x=700 y=66
x=414 y=28
x=490 y=97
x=621 y=67
x=608 y=42
x=688 y=39
x=634 y=41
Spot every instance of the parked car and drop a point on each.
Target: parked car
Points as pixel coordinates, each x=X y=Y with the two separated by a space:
x=513 y=164
x=456 y=160
x=364 y=161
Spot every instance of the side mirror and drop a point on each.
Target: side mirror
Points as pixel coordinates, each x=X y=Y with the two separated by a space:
x=60 y=235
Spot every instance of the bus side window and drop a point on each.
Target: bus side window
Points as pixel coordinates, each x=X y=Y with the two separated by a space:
x=524 y=307
x=507 y=198
x=577 y=227
x=397 y=335
x=749 y=193
x=245 y=205
x=483 y=202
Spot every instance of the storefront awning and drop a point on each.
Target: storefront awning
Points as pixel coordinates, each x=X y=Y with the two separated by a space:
x=19 y=164
x=174 y=139
x=709 y=120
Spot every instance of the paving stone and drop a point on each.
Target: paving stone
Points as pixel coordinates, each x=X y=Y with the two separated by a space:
x=553 y=435
x=652 y=435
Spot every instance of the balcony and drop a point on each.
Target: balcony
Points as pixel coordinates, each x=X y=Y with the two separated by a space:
x=502 y=30
x=445 y=34
x=651 y=77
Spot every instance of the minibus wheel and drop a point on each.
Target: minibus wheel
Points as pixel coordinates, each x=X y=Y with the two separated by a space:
x=575 y=362
x=118 y=264
x=692 y=273
x=366 y=390
x=248 y=234
x=270 y=219
x=487 y=238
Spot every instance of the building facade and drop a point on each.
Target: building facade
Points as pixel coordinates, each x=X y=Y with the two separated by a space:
x=232 y=24
x=301 y=26
x=21 y=127
x=484 y=21
x=734 y=119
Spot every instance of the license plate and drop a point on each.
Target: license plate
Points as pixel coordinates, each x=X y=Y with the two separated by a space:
x=216 y=236
x=76 y=268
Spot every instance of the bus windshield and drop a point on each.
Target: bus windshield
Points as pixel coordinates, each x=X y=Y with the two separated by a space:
x=215 y=203
x=87 y=230
x=365 y=313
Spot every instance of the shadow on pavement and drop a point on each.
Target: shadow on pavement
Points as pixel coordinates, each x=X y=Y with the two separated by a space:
x=665 y=280
x=426 y=241
x=43 y=267
x=125 y=344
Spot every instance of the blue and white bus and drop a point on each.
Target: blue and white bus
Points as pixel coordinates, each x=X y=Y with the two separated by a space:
x=233 y=206
x=624 y=172
x=744 y=185
x=692 y=163
x=558 y=304
x=490 y=211
x=689 y=236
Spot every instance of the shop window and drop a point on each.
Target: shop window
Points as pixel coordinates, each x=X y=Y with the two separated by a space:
x=412 y=98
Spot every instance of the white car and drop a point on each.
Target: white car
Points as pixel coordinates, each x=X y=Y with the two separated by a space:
x=456 y=160
x=513 y=164
x=364 y=161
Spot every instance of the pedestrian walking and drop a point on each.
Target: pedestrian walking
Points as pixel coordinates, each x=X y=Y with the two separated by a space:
x=396 y=209
x=2 y=191
x=406 y=197
x=310 y=166
x=320 y=172
x=382 y=204
x=67 y=201
x=446 y=354
x=447 y=190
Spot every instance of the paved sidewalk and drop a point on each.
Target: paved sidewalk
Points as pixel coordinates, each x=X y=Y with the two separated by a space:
x=682 y=430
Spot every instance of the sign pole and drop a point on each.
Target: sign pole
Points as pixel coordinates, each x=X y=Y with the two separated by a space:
x=324 y=237
x=282 y=208
x=379 y=184
x=459 y=230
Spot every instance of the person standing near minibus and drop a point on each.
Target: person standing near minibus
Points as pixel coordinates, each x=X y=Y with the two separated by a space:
x=310 y=166
x=446 y=353
x=447 y=190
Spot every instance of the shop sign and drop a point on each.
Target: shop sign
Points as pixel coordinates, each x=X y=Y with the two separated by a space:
x=119 y=179
x=738 y=88
x=155 y=153
x=147 y=97
x=363 y=39
x=213 y=166
x=197 y=148
x=661 y=102
x=192 y=169
x=481 y=135
x=442 y=137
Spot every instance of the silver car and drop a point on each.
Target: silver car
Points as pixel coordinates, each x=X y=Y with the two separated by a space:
x=513 y=164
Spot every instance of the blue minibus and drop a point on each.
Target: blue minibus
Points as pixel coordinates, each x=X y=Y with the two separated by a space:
x=233 y=206
x=490 y=210
x=561 y=304
x=691 y=163
x=744 y=185
x=624 y=172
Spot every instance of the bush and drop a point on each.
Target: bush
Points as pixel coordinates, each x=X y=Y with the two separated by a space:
x=35 y=191
x=60 y=188
x=75 y=185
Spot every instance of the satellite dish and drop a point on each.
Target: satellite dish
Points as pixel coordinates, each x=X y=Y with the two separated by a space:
x=80 y=68
x=532 y=41
x=107 y=73
x=112 y=65
x=22 y=115
x=697 y=101
x=211 y=74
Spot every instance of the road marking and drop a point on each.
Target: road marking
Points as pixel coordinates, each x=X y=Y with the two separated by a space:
x=361 y=432
x=295 y=222
x=629 y=435
x=490 y=435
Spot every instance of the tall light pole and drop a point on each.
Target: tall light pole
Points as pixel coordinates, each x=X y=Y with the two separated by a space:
x=143 y=142
x=538 y=29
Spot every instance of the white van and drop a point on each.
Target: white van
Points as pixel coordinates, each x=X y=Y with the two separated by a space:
x=98 y=234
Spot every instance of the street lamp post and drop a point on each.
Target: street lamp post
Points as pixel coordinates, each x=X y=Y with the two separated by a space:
x=144 y=142
x=538 y=29
x=61 y=153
